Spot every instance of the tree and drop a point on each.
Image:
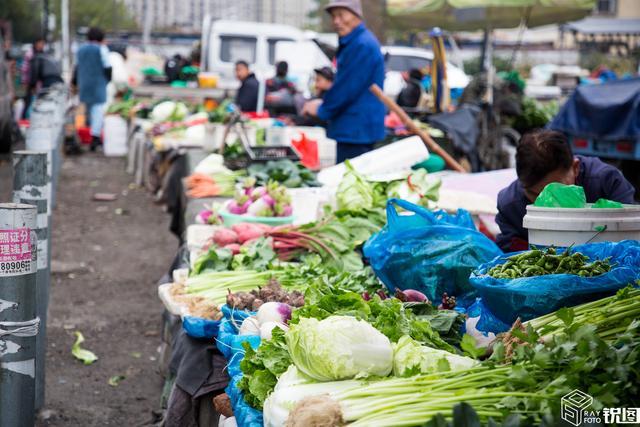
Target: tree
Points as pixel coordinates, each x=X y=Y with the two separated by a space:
x=24 y=16
x=106 y=14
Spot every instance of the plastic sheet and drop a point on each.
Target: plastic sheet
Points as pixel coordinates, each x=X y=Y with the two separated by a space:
x=530 y=297
x=556 y=195
x=197 y=327
x=432 y=252
x=607 y=204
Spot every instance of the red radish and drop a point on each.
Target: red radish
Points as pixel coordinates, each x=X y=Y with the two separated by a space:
x=224 y=237
x=366 y=296
x=249 y=231
x=233 y=247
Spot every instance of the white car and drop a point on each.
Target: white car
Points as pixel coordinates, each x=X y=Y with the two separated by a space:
x=399 y=59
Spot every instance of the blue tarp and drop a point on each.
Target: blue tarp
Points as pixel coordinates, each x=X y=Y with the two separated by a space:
x=608 y=111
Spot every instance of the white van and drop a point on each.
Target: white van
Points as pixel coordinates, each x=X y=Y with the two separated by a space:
x=261 y=46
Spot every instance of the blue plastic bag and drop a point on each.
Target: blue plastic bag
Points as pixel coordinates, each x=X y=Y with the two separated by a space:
x=531 y=297
x=432 y=252
x=246 y=416
x=236 y=316
x=230 y=345
x=486 y=321
x=197 y=327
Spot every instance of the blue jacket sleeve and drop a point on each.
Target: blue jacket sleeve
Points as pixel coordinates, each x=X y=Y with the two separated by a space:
x=352 y=78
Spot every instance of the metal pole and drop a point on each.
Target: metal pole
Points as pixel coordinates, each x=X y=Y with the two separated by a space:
x=18 y=320
x=146 y=24
x=64 y=18
x=32 y=186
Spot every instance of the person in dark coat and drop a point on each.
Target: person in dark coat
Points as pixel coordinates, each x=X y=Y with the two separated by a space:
x=323 y=81
x=247 y=95
x=355 y=116
x=409 y=96
x=544 y=157
x=280 y=92
x=91 y=75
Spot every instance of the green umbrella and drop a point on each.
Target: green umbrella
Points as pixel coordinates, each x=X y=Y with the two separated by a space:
x=470 y=15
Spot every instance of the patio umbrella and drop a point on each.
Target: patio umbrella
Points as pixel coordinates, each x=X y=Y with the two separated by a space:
x=471 y=15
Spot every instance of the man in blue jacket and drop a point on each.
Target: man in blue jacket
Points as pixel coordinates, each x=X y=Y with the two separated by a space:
x=92 y=74
x=544 y=157
x=354 y=115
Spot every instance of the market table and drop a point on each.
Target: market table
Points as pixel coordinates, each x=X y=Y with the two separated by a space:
x=183 y=93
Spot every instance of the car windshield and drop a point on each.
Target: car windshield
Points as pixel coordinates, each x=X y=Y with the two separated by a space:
x=405 y=62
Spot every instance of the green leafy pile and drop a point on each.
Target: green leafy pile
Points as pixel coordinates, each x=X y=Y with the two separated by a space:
x=357 y=194
x=257 y=256
x=327 y=296
x=529 y=386
x=288 y=173
x=262 y=367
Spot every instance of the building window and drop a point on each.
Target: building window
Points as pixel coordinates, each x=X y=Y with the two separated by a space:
x=606 y=7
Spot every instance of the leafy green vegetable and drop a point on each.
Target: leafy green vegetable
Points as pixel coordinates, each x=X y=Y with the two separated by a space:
x=468 y=345
x=288 y=173
x=262 y=367
x=354 y=192
x=339 y=348
x=216 y=259
x=417 y=188
x=389 y=316
x=257 y=256
x=410 y=358
x=87 y=357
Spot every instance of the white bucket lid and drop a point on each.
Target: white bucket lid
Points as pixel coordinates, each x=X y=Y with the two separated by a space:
x=626 y=218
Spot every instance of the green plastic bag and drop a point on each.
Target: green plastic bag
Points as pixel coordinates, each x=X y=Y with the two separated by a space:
x=556 y=195
x=607 y=204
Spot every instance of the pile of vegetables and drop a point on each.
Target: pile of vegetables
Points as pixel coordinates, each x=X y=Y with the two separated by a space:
x=332 y=313
x=271 y=200
x=288 y=173
x=169 y=111
x=357 y=193
x=123 y=108
x=200 y=185
x=526 y=389
x=272 y=292
x=538 y=262
x=270 y=315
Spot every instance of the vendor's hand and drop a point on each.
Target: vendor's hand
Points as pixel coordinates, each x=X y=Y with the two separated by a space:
x=310 y=108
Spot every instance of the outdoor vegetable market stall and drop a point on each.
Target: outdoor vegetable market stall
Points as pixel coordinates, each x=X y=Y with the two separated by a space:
x=372 y=292
x=383 y=310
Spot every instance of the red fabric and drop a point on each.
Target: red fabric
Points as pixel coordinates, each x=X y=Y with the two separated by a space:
x=84 y=134
x=518 y=244
x=256 y=115
x=308 y=150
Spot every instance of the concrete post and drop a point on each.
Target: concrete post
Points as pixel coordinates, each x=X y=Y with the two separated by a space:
x=32 y=186
x=18 y=320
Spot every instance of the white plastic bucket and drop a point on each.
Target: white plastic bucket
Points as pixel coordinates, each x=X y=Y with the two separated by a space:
x=115 y=136
x=564 y=227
